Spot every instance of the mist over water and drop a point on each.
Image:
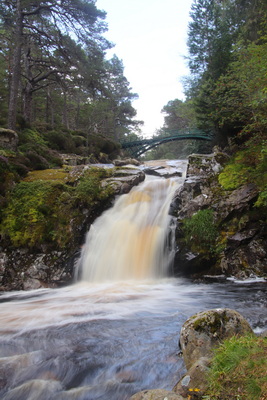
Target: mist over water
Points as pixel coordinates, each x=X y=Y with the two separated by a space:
x=116 y=331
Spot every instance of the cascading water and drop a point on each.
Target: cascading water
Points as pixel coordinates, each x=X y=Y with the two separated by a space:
x=130 y=241
x=108 y=340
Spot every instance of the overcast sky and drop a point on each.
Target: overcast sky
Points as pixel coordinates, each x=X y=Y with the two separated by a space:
x=150 y=37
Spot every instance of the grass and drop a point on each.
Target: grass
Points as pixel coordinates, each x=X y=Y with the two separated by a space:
x=239 y=370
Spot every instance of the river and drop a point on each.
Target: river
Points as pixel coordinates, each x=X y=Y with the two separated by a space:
x=112 y=333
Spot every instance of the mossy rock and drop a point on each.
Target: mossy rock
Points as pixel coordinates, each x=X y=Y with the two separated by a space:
x=207 y=329
x=47 y=208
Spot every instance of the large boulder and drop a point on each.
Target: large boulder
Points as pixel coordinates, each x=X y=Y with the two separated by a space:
x=8 y=139
x=207 y=329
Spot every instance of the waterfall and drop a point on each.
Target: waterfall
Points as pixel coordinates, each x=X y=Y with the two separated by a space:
x=133 y=239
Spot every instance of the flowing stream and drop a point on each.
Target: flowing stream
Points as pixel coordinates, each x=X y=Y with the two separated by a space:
x=116 y=331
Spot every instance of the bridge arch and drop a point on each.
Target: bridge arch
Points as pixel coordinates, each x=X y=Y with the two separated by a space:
x=138 y=147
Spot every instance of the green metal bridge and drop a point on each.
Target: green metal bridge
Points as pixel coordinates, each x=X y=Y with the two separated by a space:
x=138 y=147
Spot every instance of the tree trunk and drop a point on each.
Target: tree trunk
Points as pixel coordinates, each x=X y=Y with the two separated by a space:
x=27 y=103
x=15 y=72
x=28 y=90
x=65 y=112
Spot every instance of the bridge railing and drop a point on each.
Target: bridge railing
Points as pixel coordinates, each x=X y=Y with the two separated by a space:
x=138 y=147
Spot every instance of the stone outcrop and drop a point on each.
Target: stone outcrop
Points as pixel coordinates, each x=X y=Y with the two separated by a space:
x=126 y=161
x=241 y=246
x=163 y=169
x=8 y=139
x=26 y=268
x=123 y=179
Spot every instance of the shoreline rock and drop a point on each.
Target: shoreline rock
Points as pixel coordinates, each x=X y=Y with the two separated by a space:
x=199 y=335
x=47 y=265
x=240 y=249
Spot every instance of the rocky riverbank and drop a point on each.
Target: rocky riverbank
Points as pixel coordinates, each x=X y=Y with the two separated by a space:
x=220 y=232
x=46 y=218
x=200 y=335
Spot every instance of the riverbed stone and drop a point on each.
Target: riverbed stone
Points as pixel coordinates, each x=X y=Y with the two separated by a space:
x=126 y=161
x=156 y=394
x=207 y=329
x=195 y=381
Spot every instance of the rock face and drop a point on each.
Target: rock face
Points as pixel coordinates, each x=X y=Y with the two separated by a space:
x=240 y=248
x=124 y=179
x=48 y=264
x=205 y=330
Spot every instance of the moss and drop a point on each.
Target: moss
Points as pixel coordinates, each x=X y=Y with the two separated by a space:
x=247 y=165
x=59 y=175
x=200 y=230
x=50 y=211
x=212 y=324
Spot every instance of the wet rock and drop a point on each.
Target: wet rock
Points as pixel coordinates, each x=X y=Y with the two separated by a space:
x=126 y=161
x=195 y=381
x=26 y=270
x=239 y=249
x=245 y=257
x=3 y=261
x=156 y=394
x=124 y=179
x=204 y=164
x=32 y=284
x=163 y=172
x=207 y=329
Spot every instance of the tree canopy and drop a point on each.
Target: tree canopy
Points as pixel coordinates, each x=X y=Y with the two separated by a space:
x=226 y=91
x=54 y=68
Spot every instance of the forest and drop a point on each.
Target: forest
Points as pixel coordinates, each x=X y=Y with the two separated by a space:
x=54 y=73
x=59 y=91
x=226 y=91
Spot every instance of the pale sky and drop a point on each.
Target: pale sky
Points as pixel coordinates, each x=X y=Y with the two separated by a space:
x=150 y=38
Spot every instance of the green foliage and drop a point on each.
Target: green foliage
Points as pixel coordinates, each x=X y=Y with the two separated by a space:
x=200 y=230
x=262 y=199
x=240 y=95
x=238 y=369
x=179 y=116
x=247 y=165
x=31 y=136
x=227 y=57
x=47 y=211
